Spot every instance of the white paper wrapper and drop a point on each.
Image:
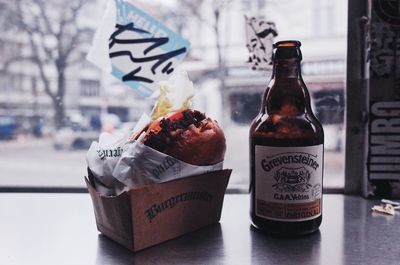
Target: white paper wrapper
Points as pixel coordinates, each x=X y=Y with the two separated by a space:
x=118 y=165
x=102 y=157
x=142 y=165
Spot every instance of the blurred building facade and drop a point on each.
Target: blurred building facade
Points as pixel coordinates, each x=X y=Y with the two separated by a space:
x=321 y=26
x=231 y=94
x=89 y=92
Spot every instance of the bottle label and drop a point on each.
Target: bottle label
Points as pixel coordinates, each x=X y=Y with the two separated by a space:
x=288 y=182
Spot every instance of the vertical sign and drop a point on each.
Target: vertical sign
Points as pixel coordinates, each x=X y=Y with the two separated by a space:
x=383 y=165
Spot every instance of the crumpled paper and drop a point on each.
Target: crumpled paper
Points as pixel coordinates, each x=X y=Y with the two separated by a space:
x=388 y=207
x=175 y=94
x=142 y=165
x=101 y=159
x=132 y=164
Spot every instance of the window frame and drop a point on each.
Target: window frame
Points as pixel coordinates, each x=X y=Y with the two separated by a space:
x=353 y=184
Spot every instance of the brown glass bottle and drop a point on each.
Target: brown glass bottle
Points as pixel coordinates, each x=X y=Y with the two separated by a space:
x=286 y=152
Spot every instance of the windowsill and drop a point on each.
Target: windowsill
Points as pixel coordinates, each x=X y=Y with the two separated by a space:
x=233 y=189
x=60 y=229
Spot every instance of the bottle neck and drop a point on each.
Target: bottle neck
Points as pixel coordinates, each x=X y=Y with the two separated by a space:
x=287 y=68
x=287 y=93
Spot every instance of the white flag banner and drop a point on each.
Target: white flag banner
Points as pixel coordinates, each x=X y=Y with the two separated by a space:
x=136 y=48
x=260 y=38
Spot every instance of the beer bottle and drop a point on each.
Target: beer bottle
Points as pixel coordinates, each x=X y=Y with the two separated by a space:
x=286 y=152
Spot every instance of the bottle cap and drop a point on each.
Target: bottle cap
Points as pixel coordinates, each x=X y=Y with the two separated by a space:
x=288 y=49
x=287 y=43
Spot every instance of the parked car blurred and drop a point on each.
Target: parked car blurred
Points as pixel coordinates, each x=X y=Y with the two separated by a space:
x=36 y=126
x=8 y=127
x=72 y=138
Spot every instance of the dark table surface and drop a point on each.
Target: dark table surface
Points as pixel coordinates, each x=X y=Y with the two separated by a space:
x=60 y=229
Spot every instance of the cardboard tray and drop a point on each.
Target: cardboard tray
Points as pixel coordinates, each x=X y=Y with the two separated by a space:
x=145 y=216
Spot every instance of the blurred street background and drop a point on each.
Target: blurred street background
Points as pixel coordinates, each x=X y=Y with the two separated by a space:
x=35 y=162
x=54 y=103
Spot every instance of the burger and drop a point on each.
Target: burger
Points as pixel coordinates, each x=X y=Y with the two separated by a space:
x=187 y=135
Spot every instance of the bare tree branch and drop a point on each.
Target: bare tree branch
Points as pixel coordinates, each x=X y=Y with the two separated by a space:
x=45 y=16
x=76 y=39
x=35 y=51
x=54 y=35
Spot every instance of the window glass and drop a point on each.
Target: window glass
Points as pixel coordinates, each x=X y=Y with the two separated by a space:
x=90 y=88
x=53 y=102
